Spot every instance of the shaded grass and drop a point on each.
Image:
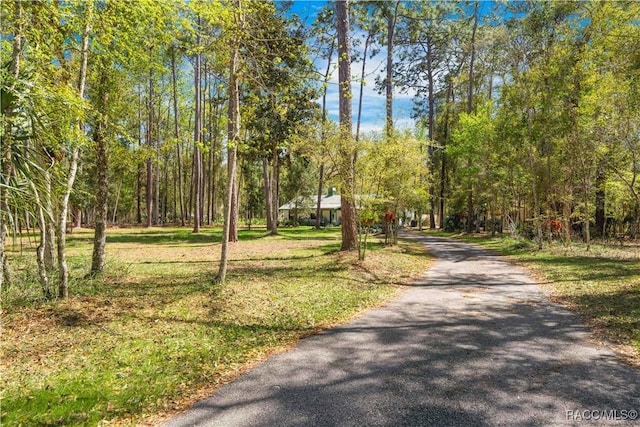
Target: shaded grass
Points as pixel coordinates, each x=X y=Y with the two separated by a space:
x=603 y=284
x=153 y=334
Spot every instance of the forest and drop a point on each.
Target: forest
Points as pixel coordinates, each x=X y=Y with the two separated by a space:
x=116 y=113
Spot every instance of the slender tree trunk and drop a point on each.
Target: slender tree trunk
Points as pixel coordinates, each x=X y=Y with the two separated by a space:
x=156 y=176
x=232 y=150
x=210 y=171
x=275 y=187
x=391 y=25
x=587 y=228
x=43 y=274
x=443 y=156
x=5 y=149
x=114 y=217
x=267 y=193
x=430 y=148
x=140 y=166
x=196 y=137
x=364 y=64
x=319 y=198
x=271 y=192
x=149 y=197
x=77 y=216
x=470 y=109
x=233 y=223
x=102 y=179
x=50 y=228
x=324 y=122
x=61 y=229
x=347 y=155
x=600 y=200
x=139 y=194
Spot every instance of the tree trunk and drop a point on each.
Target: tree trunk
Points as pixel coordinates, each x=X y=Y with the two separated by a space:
x=196 y=138
x=600 y=200
x=267 y=193
x=324 y=121
x=61 y=230
x=233 y=221
x=114 y=216
x=140 y=165
x=5 y=149
x=470 y=109
x=469 y=227
x=149 y=198
x=347 y=156
x=50 y=227
x=391 y=25
x=43 y=274
x=102 y=179
x=364 y=64
x=319 y=198
x=232 y=149
x=275 y=185
x=430 y=148
x=156 y=176
x=443 y=157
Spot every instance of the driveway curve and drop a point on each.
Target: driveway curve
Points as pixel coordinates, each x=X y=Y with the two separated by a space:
x=475 y=342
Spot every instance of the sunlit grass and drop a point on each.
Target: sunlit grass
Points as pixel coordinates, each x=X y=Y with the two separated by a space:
x=153 y=333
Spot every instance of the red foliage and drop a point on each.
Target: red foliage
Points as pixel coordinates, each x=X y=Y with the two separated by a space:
x=389 y=217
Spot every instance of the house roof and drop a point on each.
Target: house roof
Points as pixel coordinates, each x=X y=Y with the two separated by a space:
x=327 y=202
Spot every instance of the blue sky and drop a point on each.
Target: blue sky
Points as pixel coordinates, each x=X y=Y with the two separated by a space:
x=373 y=104
x=373 y=110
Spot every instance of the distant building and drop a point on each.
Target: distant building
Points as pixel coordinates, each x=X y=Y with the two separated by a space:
x=303 y=209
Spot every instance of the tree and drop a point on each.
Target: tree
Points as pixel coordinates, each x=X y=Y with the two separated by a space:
x=233 y=138
x=347 y=153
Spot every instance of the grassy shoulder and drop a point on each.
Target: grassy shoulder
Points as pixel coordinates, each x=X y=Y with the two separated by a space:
x=602 y=285
x=152 y=335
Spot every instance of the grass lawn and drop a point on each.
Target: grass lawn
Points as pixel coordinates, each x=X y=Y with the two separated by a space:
x=152 y=335
x=602 y=285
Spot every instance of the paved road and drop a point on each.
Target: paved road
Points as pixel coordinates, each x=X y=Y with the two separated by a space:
x=474 y=343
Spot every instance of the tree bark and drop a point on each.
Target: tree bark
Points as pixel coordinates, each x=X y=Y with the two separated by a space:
x=61 y=229
x=102 y=181
x=324 y=121
x=50 y=227
x=275 y=185
x=149 y=194
x=140 y=165
x=430 y=149
x=43 y=274
x=319 y=198
x=196 y=137
x=347 y=156
x=470 y=109
x=443 y=157
x=364 y=64
x=232 y=150
x=267 y=193
x=600 y=200
x=391 y=25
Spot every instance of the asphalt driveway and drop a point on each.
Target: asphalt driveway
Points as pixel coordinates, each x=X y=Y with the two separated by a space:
x=474 y=343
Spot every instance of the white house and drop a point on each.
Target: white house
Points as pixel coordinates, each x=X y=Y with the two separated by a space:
x=305 y=208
